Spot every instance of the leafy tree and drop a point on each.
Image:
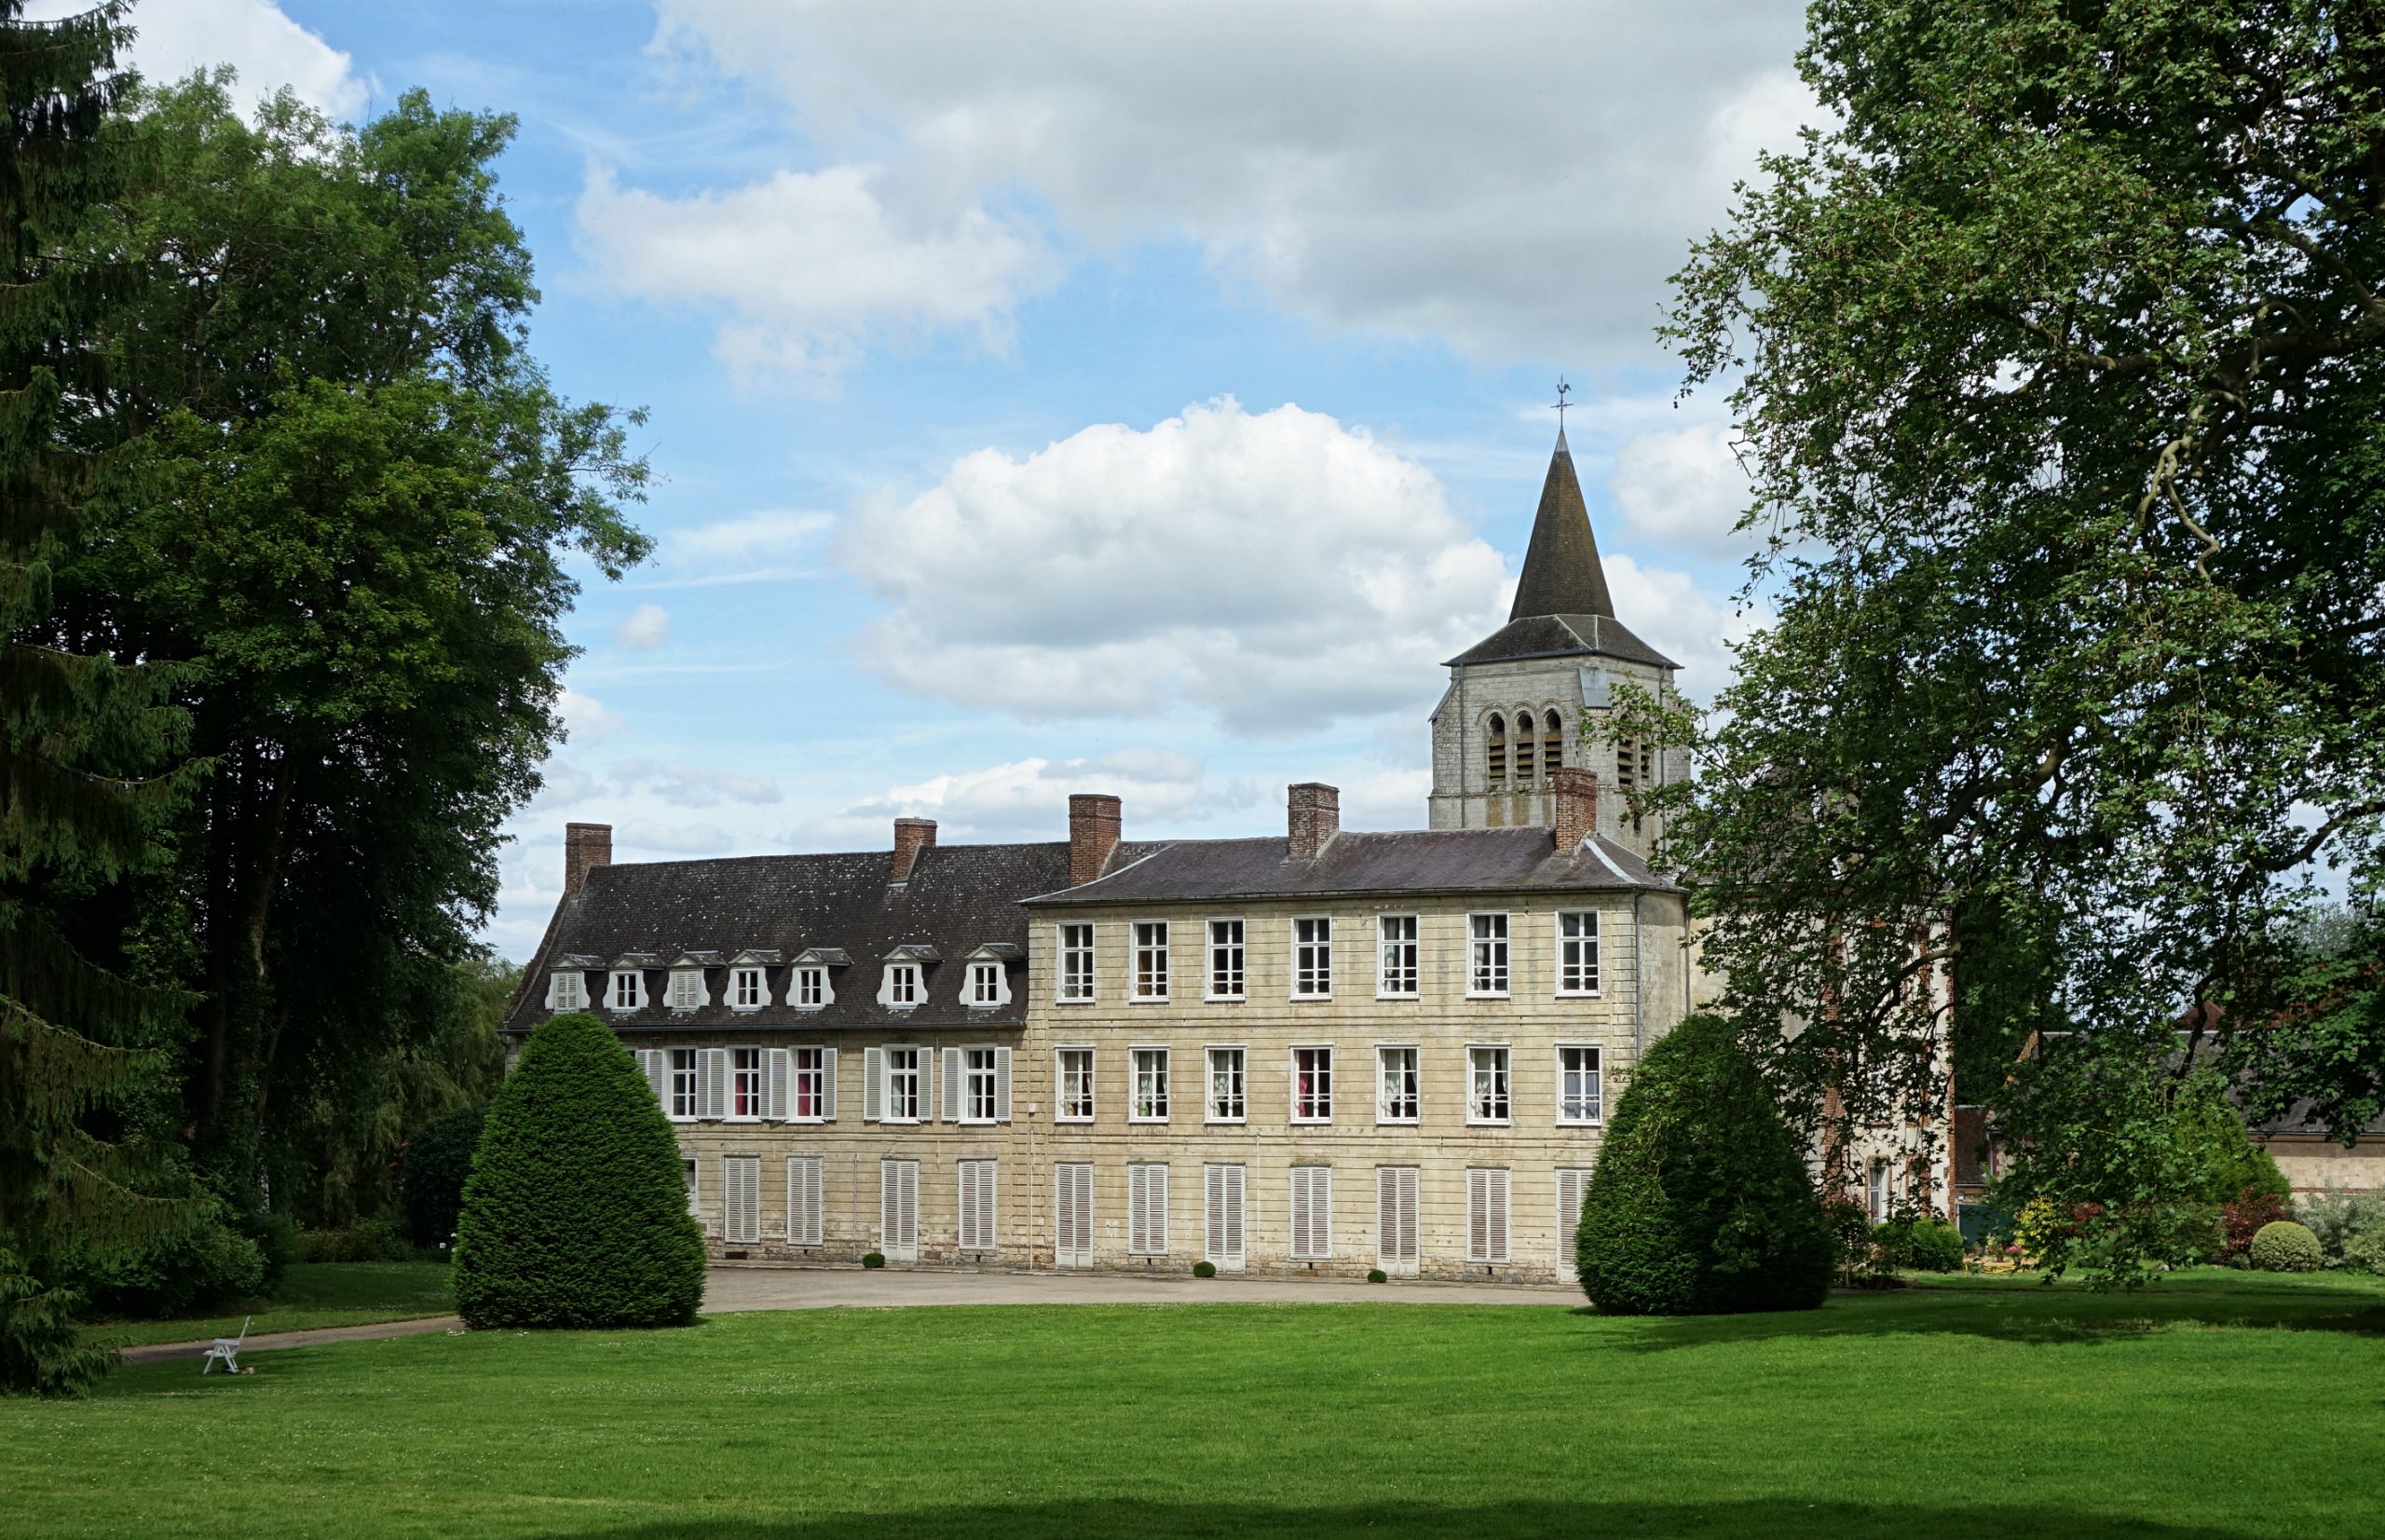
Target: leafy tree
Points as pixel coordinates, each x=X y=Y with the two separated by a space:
x=359 y=499
x=82 y=734
x=1700 y=1202
x=438 y=1159
x=2059 y=369
x=576 y=1212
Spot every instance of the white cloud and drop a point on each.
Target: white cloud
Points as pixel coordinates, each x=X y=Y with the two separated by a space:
x=587 y=719
x=1519 y=177
x=812 y=266
x=1023 y=799
x=767 y=546
x=1684 y=486
x=253 y=36
x=1668 y=611
x=694 y=786
x=649 y=627
x=1276 y=572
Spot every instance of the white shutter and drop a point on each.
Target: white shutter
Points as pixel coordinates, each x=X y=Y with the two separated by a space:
x=873 y=1084
x=912 y=1208
x=1312 y=1211
x=1147 y=1210
x=952 y=1087
x=1410 y=1201
x=1065 y=1249
x=1233 y=1217
x=1002 y=1085
x=1569 y=1217
x=1476 y=1226
x=714 y=1102
x=898 y=1217
x=968 y=1204
x=740 y=1198
x=1222 y=1216
x=828 y=1085
x=803 y=1200
x=1137 y=1205
x=1155 y=1222
x=1300 y=1210
x=1486 y=1215
x=1396 y=1197
x=656 y=1065
x=779 y=1069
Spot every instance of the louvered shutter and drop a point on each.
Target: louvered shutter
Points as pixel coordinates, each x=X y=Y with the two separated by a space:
x=1212 y=1212
x=779 y=1070
x=657 y=1065
x=968 y=1204
x=1409 y=1201
x=952 y=1085
x=715 y=1102
x=1477 y=1222
x=1064 y=1215
x=1395 y=1216
x=911 y=1208
x=873 y=1085
x=1569 y=1218
x=1304 y=1212
x=802 y=1201
x=1137 y=1210
x=1002 y=1085
x=890 y=1205
x=1155 y=1222
x=1496 y=1190
x=828 y=1085
x=1233 y=1215
x=740 y=1198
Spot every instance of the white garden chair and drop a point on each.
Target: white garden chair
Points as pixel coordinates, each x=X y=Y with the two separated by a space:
x=226 y=1351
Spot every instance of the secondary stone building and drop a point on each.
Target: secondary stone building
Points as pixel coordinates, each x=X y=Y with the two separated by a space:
x=1323 y=1052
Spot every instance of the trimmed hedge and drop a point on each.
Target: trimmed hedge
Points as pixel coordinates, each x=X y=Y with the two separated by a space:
x=430 y=1180
x=2286 y=1247
x=576 y=1212
x=1699 y=1203
x=1923 y=1243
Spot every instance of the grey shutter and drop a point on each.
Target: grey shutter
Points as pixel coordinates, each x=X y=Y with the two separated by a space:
x=890 y=1206
x=1410 y=1202
x=1495 y=1189
x=1002 y=1085
x=1233 y=1213
x=1569 y=1218
x=740 y=1198
x=1158 y=1218
x=1388 y=1213
x=1064 y=1215
x=953 y=1099
x=873 y=1084
x=657 y=1065
x=968 y=1184
x=778 y=1070
x=1212 y=1212
x=713 y=1098
x=828 y=1085
x=1299 y=1211
x=910 y=1184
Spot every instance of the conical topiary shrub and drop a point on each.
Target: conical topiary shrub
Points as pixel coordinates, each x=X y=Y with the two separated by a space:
x=1700 y=1202
x=576 y=1212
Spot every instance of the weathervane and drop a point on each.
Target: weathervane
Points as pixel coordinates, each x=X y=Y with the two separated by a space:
x=1561 y=402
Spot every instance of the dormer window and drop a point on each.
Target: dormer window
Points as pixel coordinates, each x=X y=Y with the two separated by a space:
x=687 y=988
x=902 y=983
x=629 y=989
x=745 y=989
x=811 y=989
x=568 y=990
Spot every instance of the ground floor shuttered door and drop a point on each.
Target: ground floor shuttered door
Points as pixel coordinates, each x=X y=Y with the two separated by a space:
x=898 y=1218
x=805 y=1208
x=741 y=1199
x=1221 y=1217
x=1486 y=1215
x=977 y=1183
x=1147 y=1210
x=1073 y=1215
x=1570 y=1183
x=1396 y=1202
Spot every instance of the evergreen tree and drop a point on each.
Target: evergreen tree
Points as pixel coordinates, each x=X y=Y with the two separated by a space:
x=81 y=735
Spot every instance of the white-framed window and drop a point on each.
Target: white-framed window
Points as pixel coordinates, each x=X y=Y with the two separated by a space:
x=1147 y=1209
x=741 y=1199
x=806 y=1210
x=1151 y=1087
x=687 y=1085
x=1313 y=957
x=811 y=1096
x=687 y=1172
x=1577 y=952
x=1225 y=960
x=1311 y=1212
x=745 y=1087
x=898 y=1210
x=1395 y=979
x=1072 y=1213
x=1875 y=1192
x=903 y=989
x=1577 y=1084
x=980 y=1086
x=978 y=1185
x=687 y=988
x=1486 y=955
x=628 y=991
x=1486 y=1214
x=1397 y=1247
x=568 y=990
x=811 y=989
x=1150 y=959
x=1572 y=1181
x=987 y=988
x=1221 y=1229
x=905 y=1087
x=1226 y=1102
x=1074 y=1071
x=1076 y=963
x=1311 y=1086
x=746 y=990
x=1397 y=1099
x=1486 y=1087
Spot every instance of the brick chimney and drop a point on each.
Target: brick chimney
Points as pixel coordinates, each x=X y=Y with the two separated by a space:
x=911 y=837
x=585 y=847
x=1574 y=795
x=1315 y=817
x=1094 y=821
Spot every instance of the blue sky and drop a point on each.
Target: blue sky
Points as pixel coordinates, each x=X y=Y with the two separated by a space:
x=1067 y=396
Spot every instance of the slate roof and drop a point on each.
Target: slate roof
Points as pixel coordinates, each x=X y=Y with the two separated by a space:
x=958 y=898
x=1563 y=636
x=1561 y=573
x=1354 y=865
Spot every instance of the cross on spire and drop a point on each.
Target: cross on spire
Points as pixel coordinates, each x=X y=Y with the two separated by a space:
x=1563 y=390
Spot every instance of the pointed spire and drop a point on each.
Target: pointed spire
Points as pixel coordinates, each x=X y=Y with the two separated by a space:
x=1562 y=571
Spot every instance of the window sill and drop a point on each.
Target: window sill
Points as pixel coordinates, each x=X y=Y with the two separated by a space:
x=1086 y=999
x=1581 y=1123
x=1310 y=1123
x=1311 y=1000
x=1073 y=1120
x=1382 y=1122
x=1490 y=994
x=1490 y=1122
x=1581 y=994
x=1411 y=996
x=1225 y=999
x=1149 y=1000
x=1225 y=1122
x=1148 y=1122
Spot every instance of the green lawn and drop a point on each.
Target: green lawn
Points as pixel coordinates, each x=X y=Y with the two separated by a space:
x=311 y=1295
x=2235 y=1410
